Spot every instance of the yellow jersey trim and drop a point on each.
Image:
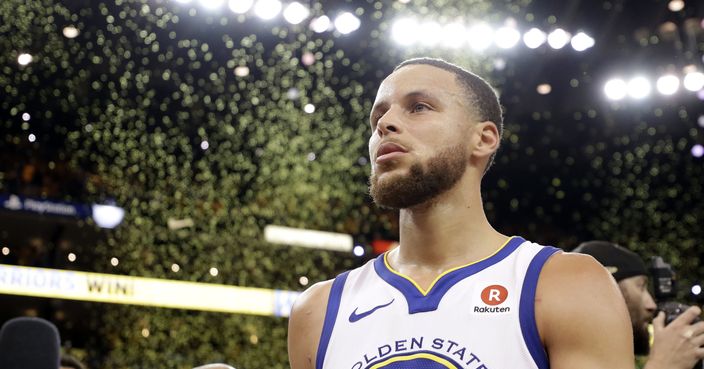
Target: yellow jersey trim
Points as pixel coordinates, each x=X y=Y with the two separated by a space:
x=436 y=359
x=425 y=292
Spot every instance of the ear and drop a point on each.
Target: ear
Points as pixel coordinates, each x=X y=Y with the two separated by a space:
x=487 y=140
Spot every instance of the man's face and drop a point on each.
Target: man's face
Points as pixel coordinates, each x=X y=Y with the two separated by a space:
x=641 y=308
x=420 y=133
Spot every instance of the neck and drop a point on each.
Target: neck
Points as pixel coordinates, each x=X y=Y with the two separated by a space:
x=450 y=230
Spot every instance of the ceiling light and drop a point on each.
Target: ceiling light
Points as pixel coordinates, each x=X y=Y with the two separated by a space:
x=693 y=81
x=320 y=24
x=240 y=6
x=558 y=38
x=534 y=38
x=296 y=13
x=638 y=87
x=346 y=23
x=615 y=89
x=267 y=9
x=667 y=85
x=581 y=41
x=480 y=37
x=405 y=31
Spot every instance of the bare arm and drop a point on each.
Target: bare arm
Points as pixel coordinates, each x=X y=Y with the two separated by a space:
x=581 y=315
x=677 y=345
x=305 y=325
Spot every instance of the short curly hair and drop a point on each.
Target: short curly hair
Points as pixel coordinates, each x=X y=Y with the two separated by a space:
x=482 y=97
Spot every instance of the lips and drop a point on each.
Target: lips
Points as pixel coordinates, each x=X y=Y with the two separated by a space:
x=388 y=150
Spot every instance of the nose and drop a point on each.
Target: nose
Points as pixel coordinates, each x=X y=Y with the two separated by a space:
x=388 y=123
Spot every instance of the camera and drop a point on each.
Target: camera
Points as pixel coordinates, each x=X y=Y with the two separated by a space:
x=665 y=291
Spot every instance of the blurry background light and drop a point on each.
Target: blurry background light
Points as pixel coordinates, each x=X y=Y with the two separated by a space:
x=544 y=88
x=534 y=38
x=320 y=24
x=70 y=32
x=480 y=37
x=175 y=268
x=693 y=81
x=639 y=87
x=346 y=23
x=31 y=137
x=558 y=38
x=405 y=31
x=267 y=9
x=309 y=108
x=675 y=5
x=242 y=71
x=213 y=271
x=615 y=89
x=697 y=151
x=296 y=13
x=212 y=4
x=507 y=37
x=668 y=84
x=453 y=35
x=107 y=216
x=358 y=250
x=240 y=6
x=700 y=121
x=303 y=280
x=24 y=59
x=696 y=290
x=581 y=41
x=114 y=261
x=430 y=33
x=71 y=257
x=26 y=117
x=6 y=251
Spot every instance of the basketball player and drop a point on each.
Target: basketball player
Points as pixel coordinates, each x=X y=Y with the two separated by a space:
x=456 y=293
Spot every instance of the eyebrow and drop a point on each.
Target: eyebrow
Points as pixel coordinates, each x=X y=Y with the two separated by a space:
x=417 y=94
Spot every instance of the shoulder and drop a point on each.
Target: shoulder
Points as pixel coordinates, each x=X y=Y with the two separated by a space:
x=305 y=325
x=581 y=314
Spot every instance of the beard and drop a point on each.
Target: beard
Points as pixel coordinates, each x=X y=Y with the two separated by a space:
x=423 y=182
x=641 y=339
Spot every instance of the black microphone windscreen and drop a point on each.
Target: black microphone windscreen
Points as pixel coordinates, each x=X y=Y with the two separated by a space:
x=29 y=343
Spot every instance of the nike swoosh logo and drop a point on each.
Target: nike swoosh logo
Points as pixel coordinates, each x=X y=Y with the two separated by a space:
x=355 y=317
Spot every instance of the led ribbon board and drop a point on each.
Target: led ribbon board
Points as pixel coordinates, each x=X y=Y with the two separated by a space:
x=119 y=289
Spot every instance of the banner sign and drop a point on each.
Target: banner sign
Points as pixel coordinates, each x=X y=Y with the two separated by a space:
x=120 y=289
x=42 y=206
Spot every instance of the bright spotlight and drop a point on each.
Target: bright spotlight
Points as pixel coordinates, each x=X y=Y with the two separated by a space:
x=107 y=216
x=24 y=59
x=453 y=35
x=346 y=23
x=405 y=31
x=267 y=9
x=212 y=4
x=534 y=38
x=675 y=5
x=667 y=85
x=694 y=81
x=240 y=6
x=480 y=37
x=558 y=38
x=296 y=13
x=430 y=33
x=507 y=37
x=615 y=89
x=70 y=32
x=582 y=41
x=697 y=151
x=638 y=87
x=358 y=250
x=320 y=24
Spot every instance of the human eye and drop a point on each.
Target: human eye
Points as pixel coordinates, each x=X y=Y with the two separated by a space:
x=419 y=107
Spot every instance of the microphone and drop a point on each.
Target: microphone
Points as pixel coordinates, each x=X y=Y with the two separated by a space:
x=29 y=343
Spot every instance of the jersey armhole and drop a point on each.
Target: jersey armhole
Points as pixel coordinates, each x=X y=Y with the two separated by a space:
x=526 y=310
x=330 y=317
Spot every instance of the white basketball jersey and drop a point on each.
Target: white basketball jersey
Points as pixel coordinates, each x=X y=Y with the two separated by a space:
x=477 y=316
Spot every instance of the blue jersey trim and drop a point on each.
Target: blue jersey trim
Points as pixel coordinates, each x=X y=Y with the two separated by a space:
x=330 y=317
x=417 y=301
x=526 y=309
